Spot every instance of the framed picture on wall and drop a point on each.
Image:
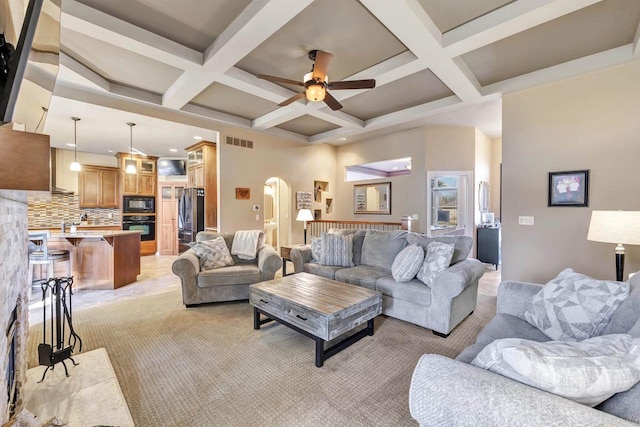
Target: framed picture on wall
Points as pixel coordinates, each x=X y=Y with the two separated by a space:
x=569 y=188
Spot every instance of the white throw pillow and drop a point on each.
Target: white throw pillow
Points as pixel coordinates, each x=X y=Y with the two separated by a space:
x=213 y=253
x=337 y=250
x=588 y=372
x=574 y=307
x=407 y=263
x=437 y=259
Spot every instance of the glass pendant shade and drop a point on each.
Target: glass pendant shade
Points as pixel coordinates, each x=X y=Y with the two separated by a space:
x=131 y=164
x=315 y=91
x=75 y=165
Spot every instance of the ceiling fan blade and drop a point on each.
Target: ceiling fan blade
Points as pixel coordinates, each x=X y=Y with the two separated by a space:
x=292 y=99
x=353 y=84
x=279 y=80
x=323 y=59
x=332 y=102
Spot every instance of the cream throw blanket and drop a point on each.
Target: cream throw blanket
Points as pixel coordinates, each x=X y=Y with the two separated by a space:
x=245 y=243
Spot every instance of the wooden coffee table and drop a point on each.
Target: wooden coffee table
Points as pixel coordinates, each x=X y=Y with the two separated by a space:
x=322 y=309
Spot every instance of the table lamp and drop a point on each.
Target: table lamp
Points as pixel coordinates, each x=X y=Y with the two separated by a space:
x=620 y=227
x=305 y=215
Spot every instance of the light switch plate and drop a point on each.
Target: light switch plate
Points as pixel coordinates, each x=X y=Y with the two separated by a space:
x=525 y=220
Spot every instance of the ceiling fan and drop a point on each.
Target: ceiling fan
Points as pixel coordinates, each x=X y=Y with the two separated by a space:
x=316 y=82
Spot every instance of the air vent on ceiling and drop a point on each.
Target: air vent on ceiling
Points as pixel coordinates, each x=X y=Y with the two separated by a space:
x=239 y=142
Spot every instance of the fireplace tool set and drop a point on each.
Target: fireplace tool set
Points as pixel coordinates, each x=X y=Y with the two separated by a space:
x=58 y=291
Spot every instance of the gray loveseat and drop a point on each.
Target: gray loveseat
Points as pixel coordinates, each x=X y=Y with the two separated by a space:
x=451 y=298
x=227 y=283
x=455 y=393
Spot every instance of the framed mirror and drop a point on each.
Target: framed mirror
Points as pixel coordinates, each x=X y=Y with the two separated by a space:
x=372 y=198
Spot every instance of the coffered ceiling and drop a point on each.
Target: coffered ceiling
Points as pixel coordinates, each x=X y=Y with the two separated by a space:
x=193 y=63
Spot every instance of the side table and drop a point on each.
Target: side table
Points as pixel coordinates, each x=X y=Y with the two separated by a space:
x=285 y=253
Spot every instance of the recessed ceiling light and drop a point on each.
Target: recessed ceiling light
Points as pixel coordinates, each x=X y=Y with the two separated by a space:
x=197 y=137
x=342 y=139
x=173 y=150
x=70 y=144
x=395 y=168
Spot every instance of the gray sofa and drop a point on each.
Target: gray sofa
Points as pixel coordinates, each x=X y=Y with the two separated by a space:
x=455 y=393
x=227 y=283
x=451 y=298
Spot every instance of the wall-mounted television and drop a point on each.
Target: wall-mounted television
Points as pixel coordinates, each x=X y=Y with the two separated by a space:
x=15 y=44
x=172 y=167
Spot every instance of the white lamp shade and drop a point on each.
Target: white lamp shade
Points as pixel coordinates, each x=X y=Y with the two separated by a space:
x=75 y=167
x=304 y=215
x=615 y=227
x=131 y=167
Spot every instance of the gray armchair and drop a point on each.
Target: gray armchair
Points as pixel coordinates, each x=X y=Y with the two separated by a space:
x=227 y=283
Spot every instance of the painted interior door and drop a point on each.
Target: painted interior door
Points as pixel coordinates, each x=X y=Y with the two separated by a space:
x=170 y=193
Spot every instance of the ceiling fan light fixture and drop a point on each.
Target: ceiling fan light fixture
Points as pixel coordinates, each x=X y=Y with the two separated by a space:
x=315 y=90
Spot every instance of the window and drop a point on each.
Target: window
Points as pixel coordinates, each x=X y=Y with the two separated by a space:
x=448 y=203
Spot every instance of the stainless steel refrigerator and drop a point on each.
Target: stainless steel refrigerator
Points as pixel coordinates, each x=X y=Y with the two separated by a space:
x=190 y=216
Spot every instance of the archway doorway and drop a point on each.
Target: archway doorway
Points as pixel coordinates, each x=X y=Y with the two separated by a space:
x=277 y=212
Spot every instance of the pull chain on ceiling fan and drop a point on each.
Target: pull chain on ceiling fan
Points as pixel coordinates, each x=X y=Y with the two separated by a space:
x=316 y=82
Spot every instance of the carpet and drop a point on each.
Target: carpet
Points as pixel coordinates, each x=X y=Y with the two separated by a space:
x=206 y=366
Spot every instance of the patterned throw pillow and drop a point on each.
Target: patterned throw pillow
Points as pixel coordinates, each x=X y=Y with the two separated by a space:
x=407 y=263
x=574 y=307
x=316 y=249
x=588 y=371
x=437 y=259
x=213 y=253
x=337 y=250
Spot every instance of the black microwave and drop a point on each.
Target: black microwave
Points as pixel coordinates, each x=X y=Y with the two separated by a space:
x=139 y=204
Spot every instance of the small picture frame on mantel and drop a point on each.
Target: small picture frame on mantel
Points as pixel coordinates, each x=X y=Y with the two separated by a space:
x=570 y=188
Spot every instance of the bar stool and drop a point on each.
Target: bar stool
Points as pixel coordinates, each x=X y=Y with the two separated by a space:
x=40 y=254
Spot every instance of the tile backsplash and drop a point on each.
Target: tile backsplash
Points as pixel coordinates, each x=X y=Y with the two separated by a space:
x=50 y=212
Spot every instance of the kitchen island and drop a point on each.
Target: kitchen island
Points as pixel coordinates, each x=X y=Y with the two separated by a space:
x=100 y=259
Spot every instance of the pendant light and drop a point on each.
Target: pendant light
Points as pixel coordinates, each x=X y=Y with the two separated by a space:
x=75 y=166
x=131 y=165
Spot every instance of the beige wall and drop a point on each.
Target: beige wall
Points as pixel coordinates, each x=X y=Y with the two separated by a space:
x=482 y=170
x=408 y=192
x=298 y=165
x=588 y=122
x=494 y=180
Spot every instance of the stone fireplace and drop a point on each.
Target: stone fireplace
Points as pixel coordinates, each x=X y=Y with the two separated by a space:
x=14 y=310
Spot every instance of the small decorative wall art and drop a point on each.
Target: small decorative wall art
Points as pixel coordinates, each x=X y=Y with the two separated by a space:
x=243 y=193
x=303 y=200
x=569 y=188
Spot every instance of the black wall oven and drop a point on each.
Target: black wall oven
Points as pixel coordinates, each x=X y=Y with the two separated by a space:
x=145 y=224
x=139 y=204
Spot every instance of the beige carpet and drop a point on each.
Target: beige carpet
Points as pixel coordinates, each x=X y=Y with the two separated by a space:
x=206 y=366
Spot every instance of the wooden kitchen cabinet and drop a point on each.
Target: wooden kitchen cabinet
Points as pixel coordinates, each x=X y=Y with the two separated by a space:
x=202 y=172
x=98 y=187
x=143 y=182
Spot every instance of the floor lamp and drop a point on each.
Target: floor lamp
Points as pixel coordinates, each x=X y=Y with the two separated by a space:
x=619 y=227
x=305 y=215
